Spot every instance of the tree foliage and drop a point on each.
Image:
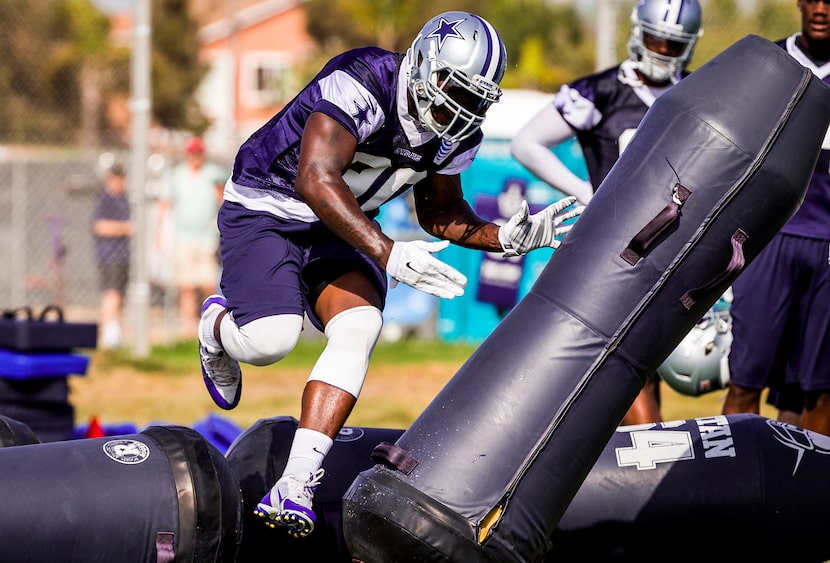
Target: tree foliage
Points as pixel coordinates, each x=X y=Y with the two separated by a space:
x=776 y=20
x=176 y=68
x=535 y=33
x=391 y=24
x=60 y=71
x=30 y=40
x=548 y=43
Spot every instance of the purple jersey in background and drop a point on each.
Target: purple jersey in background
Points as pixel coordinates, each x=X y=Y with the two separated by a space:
x=812 y=220
x=605 y=109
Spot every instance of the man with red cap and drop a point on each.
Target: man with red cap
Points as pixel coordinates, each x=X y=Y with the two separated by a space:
x=192 y=190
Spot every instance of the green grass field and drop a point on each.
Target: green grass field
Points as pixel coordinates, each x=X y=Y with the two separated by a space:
x=403 y=378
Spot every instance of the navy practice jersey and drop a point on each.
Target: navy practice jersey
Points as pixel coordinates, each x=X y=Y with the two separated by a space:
x=365 y=91
x=605 y=109
x=813 y=217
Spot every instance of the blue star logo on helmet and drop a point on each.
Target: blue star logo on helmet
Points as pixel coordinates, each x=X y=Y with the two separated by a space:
x=446 y=29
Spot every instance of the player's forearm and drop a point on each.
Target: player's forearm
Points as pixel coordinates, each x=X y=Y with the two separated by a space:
x=113 y=228
x=338 y=209
x=460 y=224
x=546 y=166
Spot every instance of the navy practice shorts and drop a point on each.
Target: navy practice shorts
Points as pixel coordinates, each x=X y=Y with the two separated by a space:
x=274 y=266
x=781 y=316
x=113 y=275
x=786 y=397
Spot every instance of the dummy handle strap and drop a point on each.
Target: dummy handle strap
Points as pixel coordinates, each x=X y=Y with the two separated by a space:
x=394 y=456
x=736 y=263
x=643 y=240
x=21 y=313
x=56 y=310
x=26 y=313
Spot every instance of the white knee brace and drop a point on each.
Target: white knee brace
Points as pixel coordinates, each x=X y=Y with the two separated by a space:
x=261 y=342
x=351 y=336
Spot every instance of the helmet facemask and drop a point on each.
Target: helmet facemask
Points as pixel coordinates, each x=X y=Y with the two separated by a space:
x=679 y=36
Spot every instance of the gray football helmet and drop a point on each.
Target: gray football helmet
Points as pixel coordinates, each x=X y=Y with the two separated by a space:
x=699 y=364
x=675 y=21
x=455 y=66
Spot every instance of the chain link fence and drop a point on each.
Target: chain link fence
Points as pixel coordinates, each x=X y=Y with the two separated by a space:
x=47 y=195
x=45 y=235
x=47 y=202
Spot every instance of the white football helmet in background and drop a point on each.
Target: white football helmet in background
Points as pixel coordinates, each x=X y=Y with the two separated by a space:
x=455 y=66
x=676 y=21
x=700 y=363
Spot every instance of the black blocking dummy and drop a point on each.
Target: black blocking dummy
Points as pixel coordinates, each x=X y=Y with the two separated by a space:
x=720 y=162
x=15 y=433
x=258 y=457
x=661 y=492
x=165 y=494
x=719 y=488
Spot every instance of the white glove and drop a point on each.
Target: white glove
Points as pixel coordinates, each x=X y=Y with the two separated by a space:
x=413 y=264
x=525 y=232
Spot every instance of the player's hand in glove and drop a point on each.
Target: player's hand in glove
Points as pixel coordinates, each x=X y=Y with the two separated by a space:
x=412 y=263
x=524 y=232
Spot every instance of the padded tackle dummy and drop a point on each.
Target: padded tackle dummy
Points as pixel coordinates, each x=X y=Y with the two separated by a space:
x=258 y=457
x=162 y=495
x=15 y=433
x=36 y=357
x=654 y=487
x=720 y=488
x=720 y=162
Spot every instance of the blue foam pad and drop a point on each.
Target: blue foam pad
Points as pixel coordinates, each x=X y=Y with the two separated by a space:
x=17 y=365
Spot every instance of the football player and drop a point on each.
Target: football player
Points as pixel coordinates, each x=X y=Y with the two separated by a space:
x=298 y=236
x=604 y=109
x=781 y=308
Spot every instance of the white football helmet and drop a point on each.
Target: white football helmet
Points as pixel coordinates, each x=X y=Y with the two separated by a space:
x=455 y=66
x=700 y=363
x=675 y=21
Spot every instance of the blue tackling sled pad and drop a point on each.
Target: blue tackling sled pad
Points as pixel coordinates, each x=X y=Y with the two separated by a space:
x=19 y=365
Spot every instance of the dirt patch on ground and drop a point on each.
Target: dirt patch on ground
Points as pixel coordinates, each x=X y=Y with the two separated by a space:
x=391 y=398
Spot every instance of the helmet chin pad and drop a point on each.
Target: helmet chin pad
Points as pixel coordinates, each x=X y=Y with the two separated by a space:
x=657 y=67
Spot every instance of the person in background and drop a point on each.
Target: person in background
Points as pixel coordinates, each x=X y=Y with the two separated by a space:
x=604 y=109
x=298 y=235
x=112 y=229
x=781 y=307
x=191 y=193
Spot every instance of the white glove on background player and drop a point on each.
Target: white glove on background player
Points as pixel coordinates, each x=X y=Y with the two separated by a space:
x=413 y=264
x=525 y=232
